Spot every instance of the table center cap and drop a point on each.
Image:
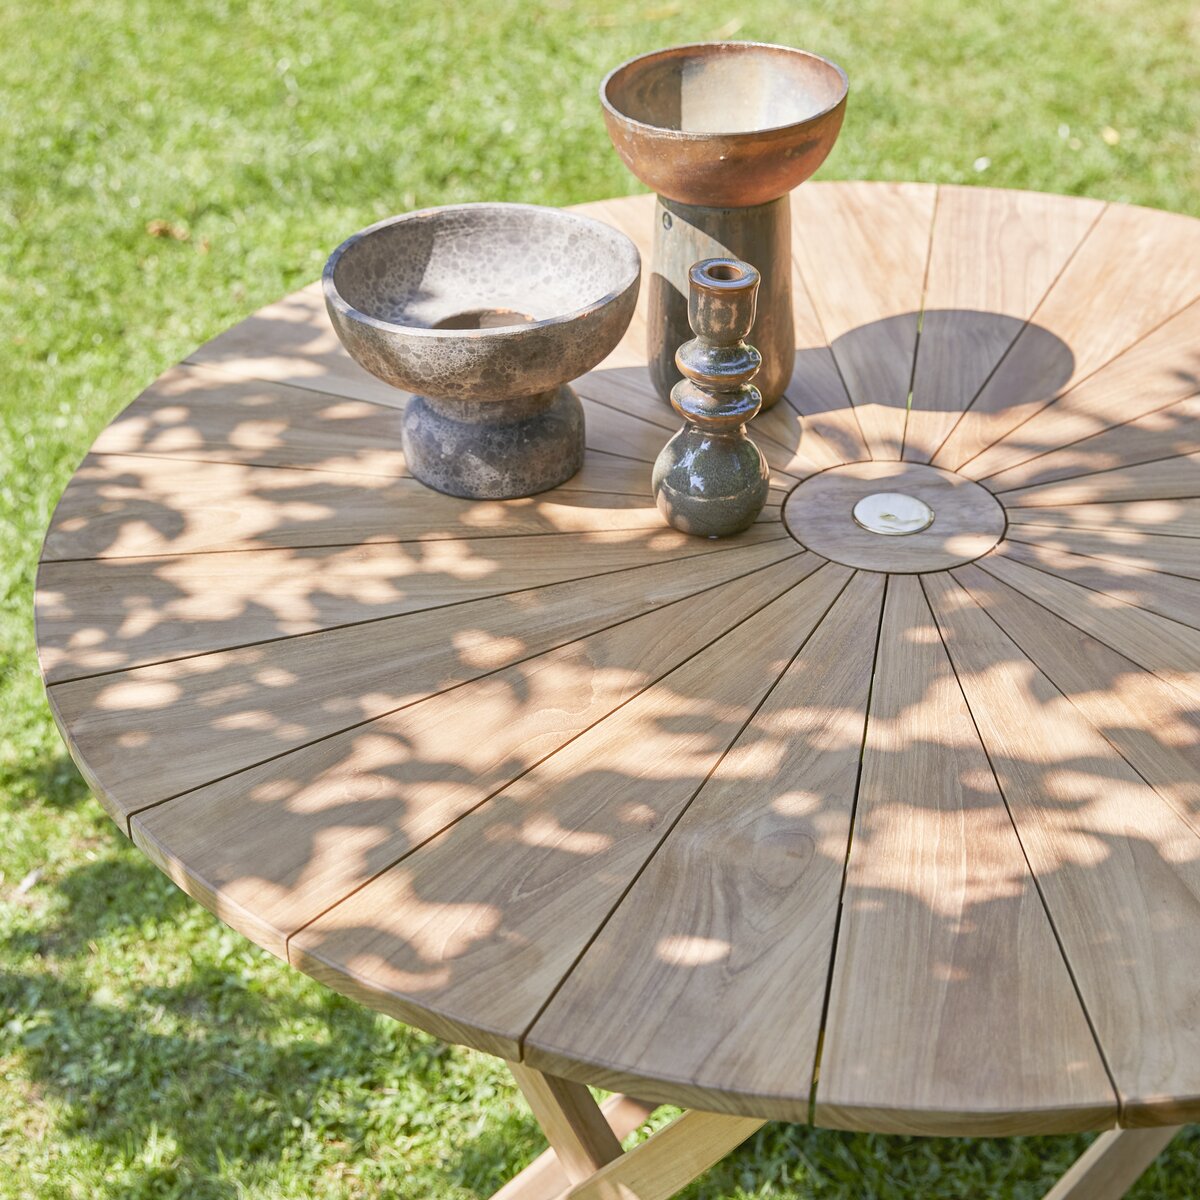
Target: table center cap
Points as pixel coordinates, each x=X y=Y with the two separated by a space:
x=893 y=514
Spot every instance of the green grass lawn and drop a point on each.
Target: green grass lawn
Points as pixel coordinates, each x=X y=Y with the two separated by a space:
x=165 y=169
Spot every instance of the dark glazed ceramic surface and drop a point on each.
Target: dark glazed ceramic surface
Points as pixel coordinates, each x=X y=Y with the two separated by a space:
x=724 y=124
x=568 y=283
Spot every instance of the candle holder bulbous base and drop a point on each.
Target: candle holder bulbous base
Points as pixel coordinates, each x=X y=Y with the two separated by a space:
x=733 y=489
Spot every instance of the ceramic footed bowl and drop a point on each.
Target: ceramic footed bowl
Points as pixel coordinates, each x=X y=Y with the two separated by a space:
x=485 y=312
x=724 y=124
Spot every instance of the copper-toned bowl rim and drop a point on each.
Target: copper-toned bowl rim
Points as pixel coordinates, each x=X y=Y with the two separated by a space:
x=674 y=51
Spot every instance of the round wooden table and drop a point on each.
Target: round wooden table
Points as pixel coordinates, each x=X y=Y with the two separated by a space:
x=885 y=833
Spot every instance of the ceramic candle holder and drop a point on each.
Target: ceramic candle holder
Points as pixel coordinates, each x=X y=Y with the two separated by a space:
x=485 y=312
x=723 y=131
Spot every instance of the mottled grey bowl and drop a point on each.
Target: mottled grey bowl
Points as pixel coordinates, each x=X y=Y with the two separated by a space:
x=486 y=311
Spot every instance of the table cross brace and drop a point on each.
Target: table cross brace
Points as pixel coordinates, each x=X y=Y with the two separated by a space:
x=585 y=1160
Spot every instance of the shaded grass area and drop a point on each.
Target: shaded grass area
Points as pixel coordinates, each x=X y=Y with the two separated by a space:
x=166 y=169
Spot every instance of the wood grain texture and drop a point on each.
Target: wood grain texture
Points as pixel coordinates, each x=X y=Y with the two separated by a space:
x=1151 y=551
x=1119 y=869
x=1168 y=649
x=1152 y=725
x=208 y=716
x=1170 y=479
x=1168 y=595
x=968 y=520
x=92 y=614
x=740 y=903
x=1165 y=518
x=669 y=1159
x=544 y=1179
x=473 y=933
x=992 y=257
x=1136 y=269
x=549 y=778
x=1112 y=1164
x=939 y=904
x=582 y=1139
x=1167 y=433
x=861 y=251
x=260 y=854
x=1160 y=370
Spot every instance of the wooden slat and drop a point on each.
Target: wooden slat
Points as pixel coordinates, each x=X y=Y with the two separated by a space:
x=992 y=257
x=735 y=914
x=1152 y=374
x=1136 y=269
x=1170 y=479
x=1154 y=727
x=1171 y=431
x=110 y=614
x=1151 y=551
x=255 y=852
x=152 y=732
x=470 y=936
x=572 y=1121
x=198 y=412
x=125 y=505
x=668 y=1160
x=1120 y=871
x=1168 y=518
x=939 y=907
x=1167 y=595
x=861 y=250
x=1170 y=650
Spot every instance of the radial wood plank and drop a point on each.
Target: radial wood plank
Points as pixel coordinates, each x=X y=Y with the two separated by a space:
x=1169 y=479
x=1152 y=725
x=255 y=847
x=470 y=936
x=1168 y=595
x=939 y=905
x=861 y=250
x=291 y=341
x=1164 y=434
x=152 y=732
x=1119 y=869
x=1160 y=370
x=992 y=257
x=1165 y=518
x=110 y=614
x=1168 y=649
x=736 y=912
x=125 y=505
x=1136 y=269
x=1151 y=551
x=201 y=413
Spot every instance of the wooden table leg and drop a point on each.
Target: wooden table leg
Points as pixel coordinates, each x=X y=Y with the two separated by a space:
x=1112 y=1164
x=669 y=1159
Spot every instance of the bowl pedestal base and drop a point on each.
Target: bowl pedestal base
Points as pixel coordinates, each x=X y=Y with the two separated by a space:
x=495 y=450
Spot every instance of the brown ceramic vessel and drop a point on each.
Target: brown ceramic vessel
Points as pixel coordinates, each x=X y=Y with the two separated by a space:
x=722 y=131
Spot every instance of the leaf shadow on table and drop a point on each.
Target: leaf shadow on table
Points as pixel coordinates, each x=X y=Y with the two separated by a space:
x=424 y=838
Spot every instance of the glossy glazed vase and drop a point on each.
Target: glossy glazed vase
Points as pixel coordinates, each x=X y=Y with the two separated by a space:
x=723 y=131
x=710 y=479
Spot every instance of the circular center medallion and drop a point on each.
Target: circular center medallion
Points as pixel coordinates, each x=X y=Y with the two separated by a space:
x=893 y=514
x=930 y=519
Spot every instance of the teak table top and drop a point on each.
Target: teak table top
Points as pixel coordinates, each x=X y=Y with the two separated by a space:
x=889 y=833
